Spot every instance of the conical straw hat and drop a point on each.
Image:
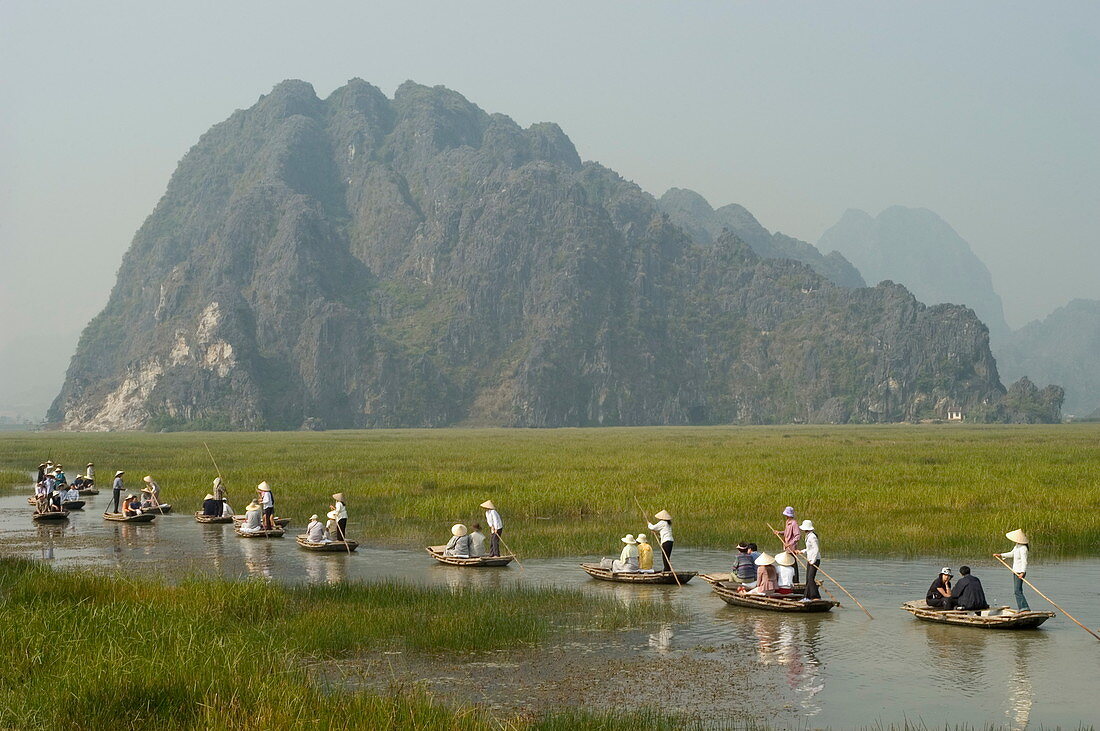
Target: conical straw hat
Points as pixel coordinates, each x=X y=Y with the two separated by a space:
x=784 y=559
x=488 y=505
x=764 y=559
x=458 y=529
x=1017 y=536
x=663 y=515
x=339 y=497
x=264 y=487
x=147 y=478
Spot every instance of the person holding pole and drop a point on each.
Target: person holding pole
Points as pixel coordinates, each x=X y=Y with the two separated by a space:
x=813 y=560
x=663 y=527
x=496 y=526
x=116 y=491
x=267 y=502
x=791 y=535
x=1019 y=566
x=341 y=510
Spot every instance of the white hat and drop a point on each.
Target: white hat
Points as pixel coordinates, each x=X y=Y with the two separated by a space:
x=148 y=478
x=313 y=517
x=333 y=515
x=784 y=559
x=1017 y=536
x=457 y=529
x=488 y=505
x=120 y=472
x=663 y=515
x=788 y=511
x=264 y=487
x=147 y=489
x=629 y=539
x=217 y=481
x=252 y=506
x=806 y=525
x=946 y=570
x=208 y=497
x=90 y=464
x=642 y=538
x=339 y=497
x=764 y=559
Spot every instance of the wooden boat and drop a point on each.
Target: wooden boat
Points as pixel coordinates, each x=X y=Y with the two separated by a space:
x=473 y=561
x=772 y=603
x=330 y=547
x=200 y=518
x=89 y=491
x=637 y=577
x=277 y=533
x=993 y=618
x=281 y=522
x=162 y=509
x=73 y=504
x=139 y=518
x=51 y=515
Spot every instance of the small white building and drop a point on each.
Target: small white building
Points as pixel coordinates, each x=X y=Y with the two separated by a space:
x=954 y=413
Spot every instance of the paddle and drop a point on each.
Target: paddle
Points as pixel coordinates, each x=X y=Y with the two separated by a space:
x=509 y=550
x=830 y=578
x=1063 y=611
x=664 y=556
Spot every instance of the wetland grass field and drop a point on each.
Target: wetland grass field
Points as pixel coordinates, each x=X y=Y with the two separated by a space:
x=888 y=490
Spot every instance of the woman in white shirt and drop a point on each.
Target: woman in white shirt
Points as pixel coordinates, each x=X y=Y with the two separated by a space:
x=663 y=526
x=1019 y=566
x=813 y=559
x=784 y=573
x=341 y=510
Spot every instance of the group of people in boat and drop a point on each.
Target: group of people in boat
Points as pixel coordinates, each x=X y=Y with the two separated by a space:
x=133 y=504
x=967 y=593
x=216 y=503
x=52 y=488
x=760 y=573
x=259 y=515
x=467 y=543
x=637 y=553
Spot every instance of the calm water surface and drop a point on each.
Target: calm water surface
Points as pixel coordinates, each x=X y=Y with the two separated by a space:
x=838 y=669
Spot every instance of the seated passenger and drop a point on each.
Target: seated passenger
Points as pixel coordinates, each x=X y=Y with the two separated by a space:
x=477 y=541
x=784 y=573
x=645 y=553
x=71 y=494
x=252 y=517
x=968 y=593
x=628 y=559
x=940 y=591
x=459 y=545
x=211 y=507
x=78 y=482
x=332 y=527
x=765 y=575
x=744 y=570
x=315 y=530
x=131 y=506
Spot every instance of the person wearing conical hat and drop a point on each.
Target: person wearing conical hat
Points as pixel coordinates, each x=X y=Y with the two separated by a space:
x=152 y=489
x=253 y=521
x=766 y=576
x=459 y=545
x=790 y=535
x=41 y=473
x=267 y=504
x=1019 y=566
x=784 y=573
x=116 y=491
x=211 y=507
x=59 y=475
x=89 y=472
x=645 y=553
x=496 y=526
x=315 y=530
x=663 y=528
x=220 y=492
x=813 y=559
x=341 y=510
x=627 y=560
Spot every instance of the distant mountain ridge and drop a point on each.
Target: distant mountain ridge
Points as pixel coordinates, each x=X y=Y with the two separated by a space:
x=916 y=247
x=691 y=212
x=361 y=261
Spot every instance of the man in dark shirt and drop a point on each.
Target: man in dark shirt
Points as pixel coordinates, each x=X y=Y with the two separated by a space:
x=968 y=593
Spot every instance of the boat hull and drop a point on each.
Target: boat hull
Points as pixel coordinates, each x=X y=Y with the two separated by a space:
x=73 y=504
x=331 y=547
x=638 y=577
x=730 y=595
x=281 y=522
x=1005 y=618
x=436 y=552
x=212 y=519
x=51 y=515
x=277 y=533
x=120 y=518
x=162 y=509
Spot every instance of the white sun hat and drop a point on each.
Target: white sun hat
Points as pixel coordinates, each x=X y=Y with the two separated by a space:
x=488 y=505
x=1017 y=536
x=264 y=487
x=333 y=515
x=120 y=473
x=806 y=525
x=784 y=559
x=313 y=517
x=208 y=497
x=663 y=515
x=642 y=539
x=764 y=559
x=147 y=478
x=946 y=570
x=629 y=539
x=456 y=530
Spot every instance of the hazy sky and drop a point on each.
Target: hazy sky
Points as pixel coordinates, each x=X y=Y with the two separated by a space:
x=986 y=112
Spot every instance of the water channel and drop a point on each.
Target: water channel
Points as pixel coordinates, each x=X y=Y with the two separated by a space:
x=721 y=663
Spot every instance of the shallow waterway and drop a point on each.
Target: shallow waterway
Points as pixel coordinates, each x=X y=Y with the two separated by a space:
x=721 y=663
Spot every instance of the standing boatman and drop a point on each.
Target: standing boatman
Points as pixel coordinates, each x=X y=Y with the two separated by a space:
x=791 y=535
x=1019 y=566
x=116 y=492
x=267 y=502
x=341 y=510
x=89 y=472
x=496 y=526
x=663 y=526
x=813 y=559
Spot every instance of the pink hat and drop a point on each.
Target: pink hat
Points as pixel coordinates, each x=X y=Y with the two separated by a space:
x=788 y=511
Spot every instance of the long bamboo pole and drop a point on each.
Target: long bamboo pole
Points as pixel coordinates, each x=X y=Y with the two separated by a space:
x=657 y=538
x=1063 y=611
x=508 y=548
x=830 y=578
x=218 y=470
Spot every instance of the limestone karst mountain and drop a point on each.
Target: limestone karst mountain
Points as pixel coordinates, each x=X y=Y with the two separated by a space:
x=415 y=261
x=916 y=247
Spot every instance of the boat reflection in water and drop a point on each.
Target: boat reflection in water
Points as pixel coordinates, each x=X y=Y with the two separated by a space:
x=48 y=535
x=792 y=642
x=259 y=557
x=322 y=568
x=661 y=640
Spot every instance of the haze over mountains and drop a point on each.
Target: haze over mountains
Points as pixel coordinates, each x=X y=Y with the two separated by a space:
x=416 y=261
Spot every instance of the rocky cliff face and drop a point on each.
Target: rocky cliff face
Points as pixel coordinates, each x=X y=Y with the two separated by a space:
x=1064 y=348
x=916 y=247
x=361 y=261
x=691 y=212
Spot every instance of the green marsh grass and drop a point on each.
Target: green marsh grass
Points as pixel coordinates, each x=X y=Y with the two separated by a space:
x=892 y=489
x=104 y=651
